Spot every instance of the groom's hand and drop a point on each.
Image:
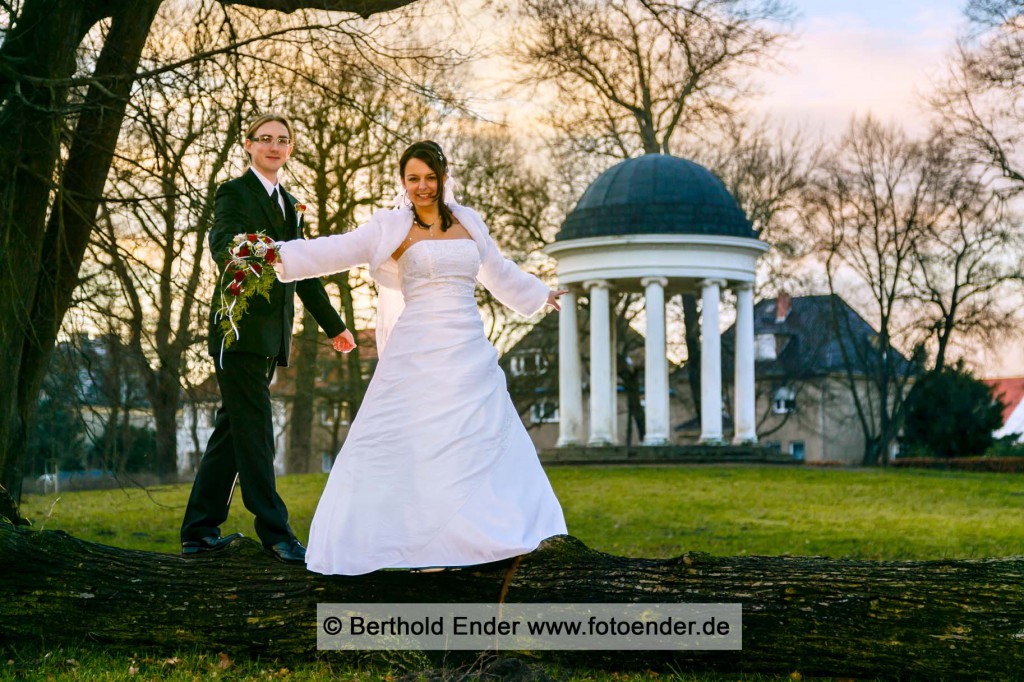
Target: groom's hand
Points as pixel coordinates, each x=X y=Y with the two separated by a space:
x=344 y=342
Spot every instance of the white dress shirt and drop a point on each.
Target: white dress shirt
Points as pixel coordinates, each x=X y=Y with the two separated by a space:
x=270 y=187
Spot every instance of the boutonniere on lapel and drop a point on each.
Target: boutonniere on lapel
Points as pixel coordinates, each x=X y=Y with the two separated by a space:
x=300 y=211
x=250 y=271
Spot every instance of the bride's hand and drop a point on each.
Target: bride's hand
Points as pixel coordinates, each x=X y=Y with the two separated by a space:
x=553 y=298
x=344 y=342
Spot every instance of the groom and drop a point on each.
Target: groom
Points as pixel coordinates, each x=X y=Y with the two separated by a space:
x=242 y=443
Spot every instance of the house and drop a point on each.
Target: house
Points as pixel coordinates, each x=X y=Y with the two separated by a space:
x=803 y=347
x=333 y=402
x=809 y=350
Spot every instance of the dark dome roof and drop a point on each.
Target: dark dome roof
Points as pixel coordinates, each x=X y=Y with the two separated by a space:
x=656 y=194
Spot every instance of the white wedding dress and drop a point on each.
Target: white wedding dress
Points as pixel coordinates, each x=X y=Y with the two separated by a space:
x=437 y=469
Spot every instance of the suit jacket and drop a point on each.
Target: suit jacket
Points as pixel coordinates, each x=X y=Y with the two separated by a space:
x=243 y=205
x=375 y=241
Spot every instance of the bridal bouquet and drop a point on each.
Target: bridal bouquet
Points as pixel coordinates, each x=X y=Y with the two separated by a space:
x=250 y=271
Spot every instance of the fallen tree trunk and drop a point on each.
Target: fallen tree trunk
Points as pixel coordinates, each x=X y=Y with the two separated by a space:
x=923 y=620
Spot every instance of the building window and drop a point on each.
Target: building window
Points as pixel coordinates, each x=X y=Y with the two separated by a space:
x=796 y=450
x=529 y=362
x=545 y=412
x=331 y=414
x=784 y=400
x=764 y=347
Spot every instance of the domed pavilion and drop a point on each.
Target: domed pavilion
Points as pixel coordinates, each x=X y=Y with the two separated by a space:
x=663 y=226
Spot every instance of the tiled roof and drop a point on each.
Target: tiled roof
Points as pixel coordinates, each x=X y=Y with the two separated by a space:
x=818 y=336
x=1010 y=391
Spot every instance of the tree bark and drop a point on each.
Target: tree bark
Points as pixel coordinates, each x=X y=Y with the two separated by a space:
x=912 y=620
x=36 y=58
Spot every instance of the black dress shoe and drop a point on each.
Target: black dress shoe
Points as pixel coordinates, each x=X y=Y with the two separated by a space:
x=211 y=543
x=288 y=551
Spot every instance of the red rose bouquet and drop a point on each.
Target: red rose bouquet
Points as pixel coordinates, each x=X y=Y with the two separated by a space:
x=249 y=272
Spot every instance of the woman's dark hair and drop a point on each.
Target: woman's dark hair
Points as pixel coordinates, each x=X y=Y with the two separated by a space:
x=430 y=153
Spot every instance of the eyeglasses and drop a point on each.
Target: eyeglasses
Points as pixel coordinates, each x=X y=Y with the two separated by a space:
x=271 y=140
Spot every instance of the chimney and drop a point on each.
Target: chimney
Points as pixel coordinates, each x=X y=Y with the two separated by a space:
x=783 y=304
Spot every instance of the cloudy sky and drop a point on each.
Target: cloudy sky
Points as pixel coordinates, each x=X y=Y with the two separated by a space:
x=847 y=57
x=850 y=57
x=873 y=56
x=853 y=57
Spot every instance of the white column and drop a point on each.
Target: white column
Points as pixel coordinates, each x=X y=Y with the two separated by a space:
x=613 y=345
x=570 y=380
x=710 y=363
x=600 y=364
x=744 y=411
x=655 y=363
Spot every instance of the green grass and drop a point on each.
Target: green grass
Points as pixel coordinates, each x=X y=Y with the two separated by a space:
x=634 y=511
x=662 y=512
x=36 y=663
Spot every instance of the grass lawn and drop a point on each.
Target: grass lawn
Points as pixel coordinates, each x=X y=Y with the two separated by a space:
x=662 y=512
x=632 y=511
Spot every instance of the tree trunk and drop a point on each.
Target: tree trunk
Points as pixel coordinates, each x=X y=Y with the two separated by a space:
x=691 y=322
x=300 y=426
x=912 y=620
x=42 y=45
x=355 y=385
x=52 y=260
x=165 y=414
x=39 y=262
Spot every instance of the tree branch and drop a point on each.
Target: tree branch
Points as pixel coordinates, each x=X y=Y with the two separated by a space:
x=364 y=8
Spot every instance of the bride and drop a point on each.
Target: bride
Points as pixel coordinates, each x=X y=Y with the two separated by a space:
x=437 y=469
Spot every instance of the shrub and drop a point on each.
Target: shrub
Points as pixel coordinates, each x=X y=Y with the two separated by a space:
x=949 y=413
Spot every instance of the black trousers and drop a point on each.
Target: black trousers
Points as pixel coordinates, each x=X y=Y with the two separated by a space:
x=242 y=443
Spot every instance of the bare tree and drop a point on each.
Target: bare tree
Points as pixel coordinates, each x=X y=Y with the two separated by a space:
x=870 y=208
x=177 y=141
x=636 y=74
x=351 y=128
x=767 y=168
x=969 y=258
x=981 y=98
x=48 y=198
x=640 y=76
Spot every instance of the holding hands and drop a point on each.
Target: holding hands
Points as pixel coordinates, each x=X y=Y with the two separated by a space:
x=344 y=342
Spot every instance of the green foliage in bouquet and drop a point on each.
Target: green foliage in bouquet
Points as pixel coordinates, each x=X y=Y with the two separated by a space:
x=249 y=272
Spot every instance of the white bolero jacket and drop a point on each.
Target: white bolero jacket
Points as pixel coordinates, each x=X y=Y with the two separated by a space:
x=373 y=243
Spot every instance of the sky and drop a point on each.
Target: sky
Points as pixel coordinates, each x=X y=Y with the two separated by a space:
x=846 y=57
x=879 y=57
x=851 y=58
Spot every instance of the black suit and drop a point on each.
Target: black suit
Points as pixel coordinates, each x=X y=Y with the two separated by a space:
x=243 y=436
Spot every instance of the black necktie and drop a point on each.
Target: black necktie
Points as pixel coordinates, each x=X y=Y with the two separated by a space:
x=277 y=203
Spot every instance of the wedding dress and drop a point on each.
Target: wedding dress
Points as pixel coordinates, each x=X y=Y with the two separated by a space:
x=437 y=468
